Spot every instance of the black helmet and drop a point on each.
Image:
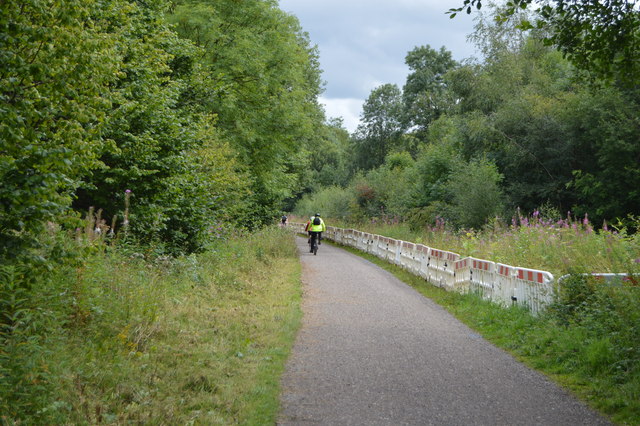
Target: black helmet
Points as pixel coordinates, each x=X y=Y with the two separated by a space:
x=317 y=214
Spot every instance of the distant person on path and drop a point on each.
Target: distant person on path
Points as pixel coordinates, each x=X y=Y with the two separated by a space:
x=317 y=227
x=283 y=220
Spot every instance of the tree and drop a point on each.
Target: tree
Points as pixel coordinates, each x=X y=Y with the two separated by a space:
x=55 y=74
x=604 y=129
x=425 y=93
x=600 y=37
x=330 y=156
x=266 y=83
x=153 y=139
x=381 y=126
x=434 y=164
x=475 y=193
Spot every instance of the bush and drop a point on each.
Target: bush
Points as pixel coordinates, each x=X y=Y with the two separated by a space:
x=475 y=193
x=608 y=313
x=334 y=202
x=112 y=338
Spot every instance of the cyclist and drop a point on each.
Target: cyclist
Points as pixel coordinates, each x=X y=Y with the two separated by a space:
x=283 y=220
x=307 y=229
x=317 y=228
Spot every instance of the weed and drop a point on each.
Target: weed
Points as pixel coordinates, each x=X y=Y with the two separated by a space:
x=128 y=338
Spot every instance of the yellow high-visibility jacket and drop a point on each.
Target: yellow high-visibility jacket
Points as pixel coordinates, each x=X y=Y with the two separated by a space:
x=318 y=228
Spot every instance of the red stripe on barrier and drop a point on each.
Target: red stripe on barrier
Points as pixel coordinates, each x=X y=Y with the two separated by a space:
x=503 y=270
x=531 y=276
x=479 y=264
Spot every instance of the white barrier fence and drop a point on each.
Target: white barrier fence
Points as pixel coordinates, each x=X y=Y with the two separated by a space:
x=503 y=284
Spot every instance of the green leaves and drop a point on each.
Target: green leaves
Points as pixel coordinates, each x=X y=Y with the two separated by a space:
x=381 y=128
x=53 y=100
x=468 y=4
x=268 y=79
x=601 y=38
x=425 y=94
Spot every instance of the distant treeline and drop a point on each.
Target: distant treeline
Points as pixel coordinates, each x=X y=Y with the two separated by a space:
x=466 y=142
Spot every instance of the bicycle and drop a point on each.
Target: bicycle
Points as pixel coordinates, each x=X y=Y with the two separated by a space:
x=313 y=243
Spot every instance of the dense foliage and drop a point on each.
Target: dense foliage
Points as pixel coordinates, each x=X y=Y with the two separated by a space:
x=201 y=112
x=265 y=99
x=129 y=337
x=599 y=37
x=521 y=129
x=166 y=124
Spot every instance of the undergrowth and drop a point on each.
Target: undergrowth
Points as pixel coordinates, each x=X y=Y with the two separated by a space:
x=560 y=246
x=130 y=337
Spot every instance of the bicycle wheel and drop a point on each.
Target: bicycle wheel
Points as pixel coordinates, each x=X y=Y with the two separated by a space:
x=315 y=247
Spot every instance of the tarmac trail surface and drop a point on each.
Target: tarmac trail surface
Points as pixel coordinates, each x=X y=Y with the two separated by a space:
x=373 y=351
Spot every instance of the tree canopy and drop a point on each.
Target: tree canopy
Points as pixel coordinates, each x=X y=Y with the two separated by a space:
x=600 y=37
x=523 y=129
x=201 y=113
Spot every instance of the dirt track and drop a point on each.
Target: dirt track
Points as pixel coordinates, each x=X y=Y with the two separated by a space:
x=372 y=351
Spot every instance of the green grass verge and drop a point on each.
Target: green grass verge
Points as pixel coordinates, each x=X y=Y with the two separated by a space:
x=560 y=247
x=589 y=342
x=198 y=340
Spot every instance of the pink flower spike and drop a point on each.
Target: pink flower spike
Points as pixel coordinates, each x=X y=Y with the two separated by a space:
x=128 y=191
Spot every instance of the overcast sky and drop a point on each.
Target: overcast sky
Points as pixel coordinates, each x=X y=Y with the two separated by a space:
x=363 y=43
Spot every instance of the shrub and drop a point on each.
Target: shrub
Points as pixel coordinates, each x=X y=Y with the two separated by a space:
x=334 y=202
x=475 y=193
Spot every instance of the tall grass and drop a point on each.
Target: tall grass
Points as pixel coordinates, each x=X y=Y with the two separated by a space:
x=130 y=337
x=559 y=246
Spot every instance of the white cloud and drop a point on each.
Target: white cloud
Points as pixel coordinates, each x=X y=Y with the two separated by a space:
x=347 y=108
x=363 y=43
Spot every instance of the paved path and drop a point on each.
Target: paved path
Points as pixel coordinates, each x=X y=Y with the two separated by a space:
x=373 y=351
